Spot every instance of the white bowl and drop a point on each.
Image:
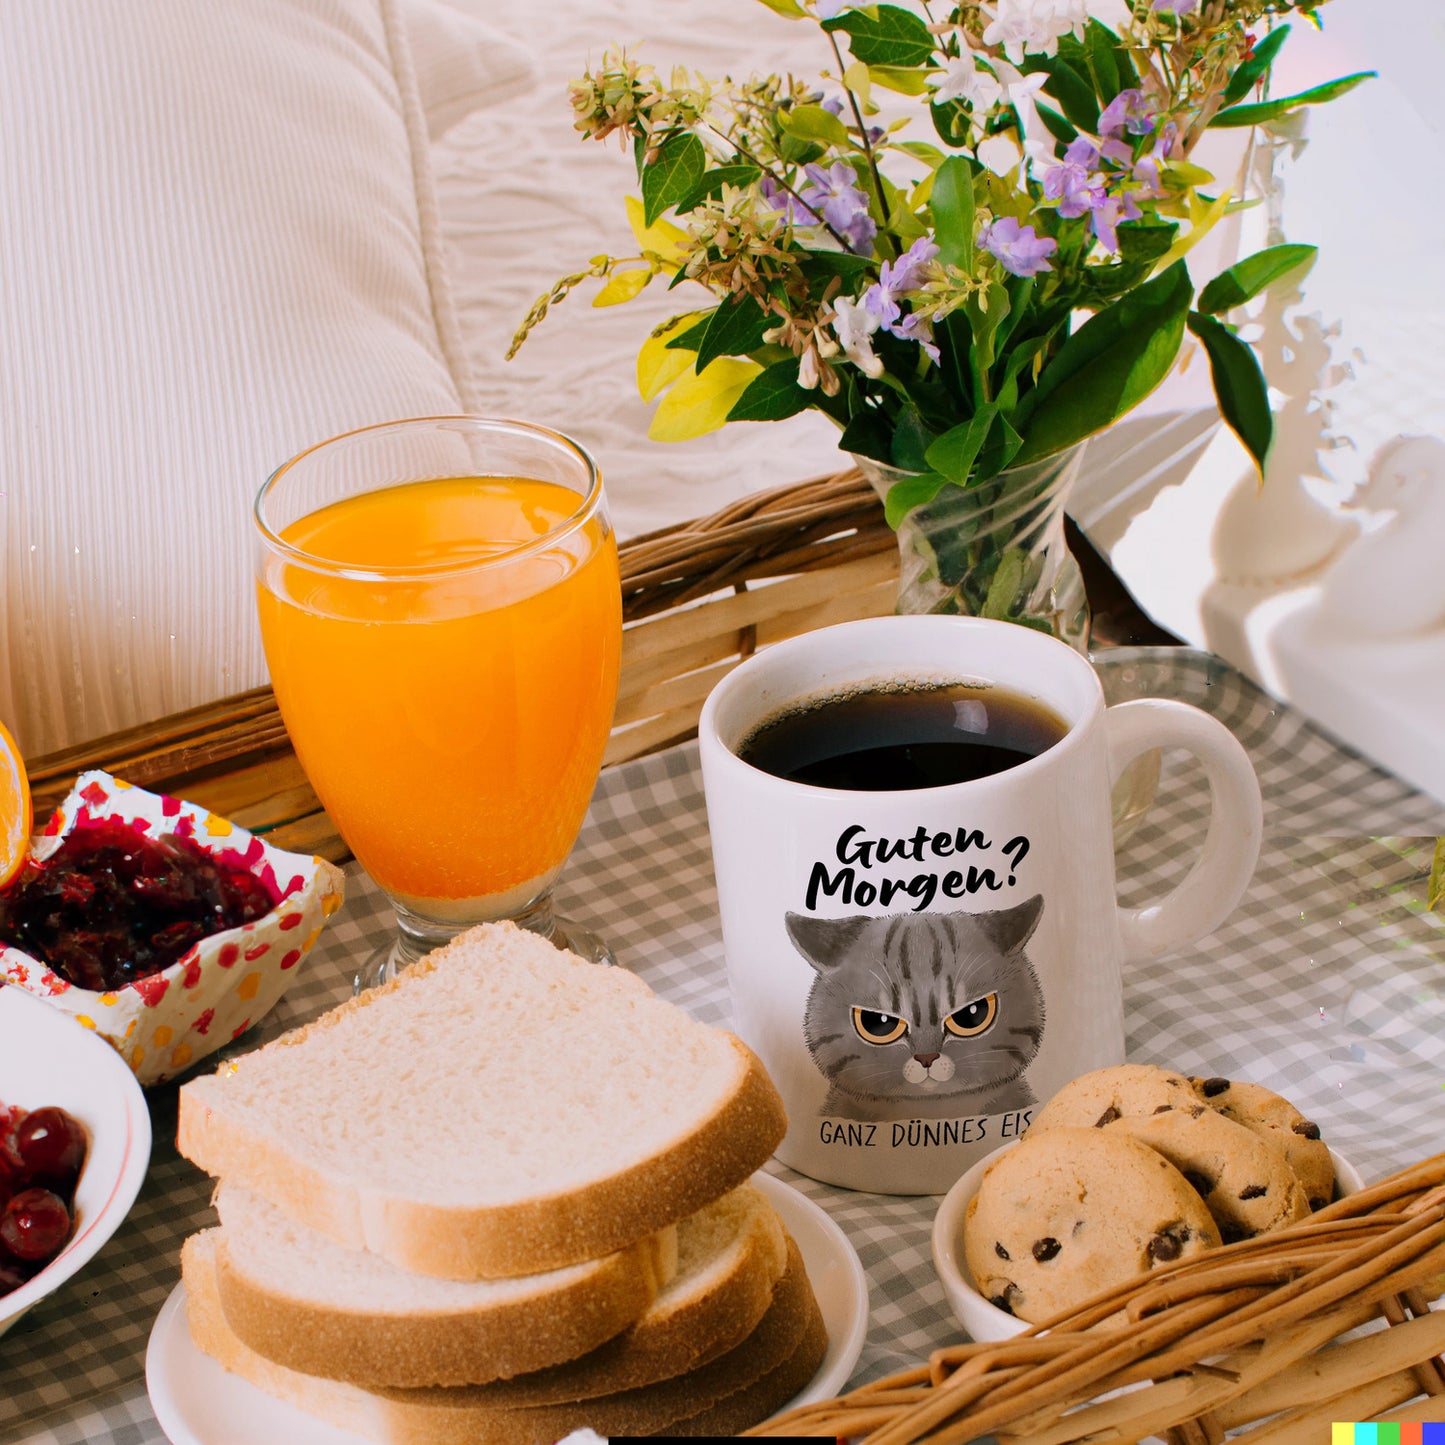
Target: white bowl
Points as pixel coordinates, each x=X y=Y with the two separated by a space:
x=984 y=1321
x=48 y=1058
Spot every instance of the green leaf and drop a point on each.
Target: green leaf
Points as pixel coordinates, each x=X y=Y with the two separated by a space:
x=868 y=434
x=788 y=9
x=1074 y=94
x=921 y=150
x=1056 y=125
x=913 y=491
x=1247 y=278
x=1252 y=71
x=1239 y=385
x=911 y=440
x=1238 y=115
x=885 y=35
x=953 y=454
x=1109 y=365
x=813 y=123
x=1001 y=448
x=691 y=339
x=984 y=322
x=951 y=202
x=1099 y=54
x=899 y=78
x=672 y=174
x=773 y=395
x=734 y=329
x=1004 y=586
x=1145 y=241
x=710 y=183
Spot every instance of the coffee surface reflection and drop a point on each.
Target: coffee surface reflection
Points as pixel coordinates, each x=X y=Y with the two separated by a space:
x=889 y=739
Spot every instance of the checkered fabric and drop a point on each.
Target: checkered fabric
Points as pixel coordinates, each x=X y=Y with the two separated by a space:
x=1325 y=984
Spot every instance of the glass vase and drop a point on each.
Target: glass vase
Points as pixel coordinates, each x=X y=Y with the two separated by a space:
x=994 y=548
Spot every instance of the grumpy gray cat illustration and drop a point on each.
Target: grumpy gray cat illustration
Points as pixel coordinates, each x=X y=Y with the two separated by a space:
x=923 y=1015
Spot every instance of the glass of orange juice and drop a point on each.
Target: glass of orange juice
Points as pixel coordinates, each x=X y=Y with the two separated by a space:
x=442 y=616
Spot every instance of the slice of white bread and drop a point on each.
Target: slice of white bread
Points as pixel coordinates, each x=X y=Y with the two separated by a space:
x=305 y=1302
x=730 y=1392
x=730 y=1256
x=499 y=1109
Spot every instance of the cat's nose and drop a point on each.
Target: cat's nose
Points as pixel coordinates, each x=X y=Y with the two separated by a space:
x=925 y=1059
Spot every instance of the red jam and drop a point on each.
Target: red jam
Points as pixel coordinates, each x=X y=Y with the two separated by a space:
x=112 y=905
x=41 y=1154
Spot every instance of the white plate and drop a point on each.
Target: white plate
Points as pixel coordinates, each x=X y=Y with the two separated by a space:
x=199 y=1403
x=48 y=1058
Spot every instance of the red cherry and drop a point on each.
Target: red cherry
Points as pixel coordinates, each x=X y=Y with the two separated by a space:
x=35 y=1224
x=51 y=1144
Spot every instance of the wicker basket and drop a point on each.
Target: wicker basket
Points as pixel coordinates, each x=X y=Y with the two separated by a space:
x=697 y=599
x=1264 y=1335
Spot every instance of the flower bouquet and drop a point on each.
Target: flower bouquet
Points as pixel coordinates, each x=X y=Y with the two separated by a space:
x=966 y=245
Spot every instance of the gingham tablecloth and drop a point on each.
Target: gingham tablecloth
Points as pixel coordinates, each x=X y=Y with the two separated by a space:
x=1327 y=984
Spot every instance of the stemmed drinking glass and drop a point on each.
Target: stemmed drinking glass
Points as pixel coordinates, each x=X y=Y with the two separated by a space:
x=441 y=613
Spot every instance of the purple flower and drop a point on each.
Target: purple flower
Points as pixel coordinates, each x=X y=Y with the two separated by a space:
x=1131 y=111
x=834 y=194
x=909 y=271
x=1020 y=249
x=878 y=301
x=1108 y=216
x=1076 y=189
x=779 y=198
x=917 y=328
x=897 y=279
x=1176 y=7
x=1146 y=169
x=1082 y=152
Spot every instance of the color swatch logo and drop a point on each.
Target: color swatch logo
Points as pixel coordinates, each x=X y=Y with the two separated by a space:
x=1385 y=1434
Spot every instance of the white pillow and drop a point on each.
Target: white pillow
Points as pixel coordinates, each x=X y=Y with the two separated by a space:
x=460 y=64
x=218 y=245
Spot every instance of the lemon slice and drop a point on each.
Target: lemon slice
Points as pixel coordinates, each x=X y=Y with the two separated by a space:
x=15 y=814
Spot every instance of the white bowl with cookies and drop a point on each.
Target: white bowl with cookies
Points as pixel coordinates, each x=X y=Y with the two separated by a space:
x=1124 y=1170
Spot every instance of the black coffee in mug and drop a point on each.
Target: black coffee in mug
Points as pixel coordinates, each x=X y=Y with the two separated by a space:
x=903 y=735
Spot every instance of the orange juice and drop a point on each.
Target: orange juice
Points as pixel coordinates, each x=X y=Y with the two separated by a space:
x=450 y=698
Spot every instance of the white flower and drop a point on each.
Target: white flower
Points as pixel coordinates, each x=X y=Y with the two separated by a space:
x=999 y=154
x=854 y=325
x=966 y=79
x=1033 y=26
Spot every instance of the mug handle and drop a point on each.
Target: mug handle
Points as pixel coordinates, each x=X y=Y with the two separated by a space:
x=1214 y=885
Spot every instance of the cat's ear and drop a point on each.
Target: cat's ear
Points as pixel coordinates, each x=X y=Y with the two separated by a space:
x=824 y=942
x=1010 y=928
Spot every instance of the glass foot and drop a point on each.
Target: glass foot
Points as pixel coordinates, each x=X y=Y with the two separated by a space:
x=380 y=967
x=582 y=941
x=384 y=963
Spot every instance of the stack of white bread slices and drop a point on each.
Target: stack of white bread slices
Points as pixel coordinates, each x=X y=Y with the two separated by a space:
x=501 y=1198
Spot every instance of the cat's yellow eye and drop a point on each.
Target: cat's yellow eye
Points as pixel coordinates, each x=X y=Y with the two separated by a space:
x=973 y=1018
x=878 y=1028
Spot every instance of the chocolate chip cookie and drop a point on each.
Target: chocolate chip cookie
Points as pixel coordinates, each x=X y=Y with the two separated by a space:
x=1068 y=1212
x=1278 y=1122
x=1123 y=1091
x=1245 y=1183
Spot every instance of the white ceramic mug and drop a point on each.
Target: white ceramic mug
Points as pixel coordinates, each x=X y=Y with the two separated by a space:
x=917 y=969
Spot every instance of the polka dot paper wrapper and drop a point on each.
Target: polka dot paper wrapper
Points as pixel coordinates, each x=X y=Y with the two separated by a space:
x=163 y=1024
